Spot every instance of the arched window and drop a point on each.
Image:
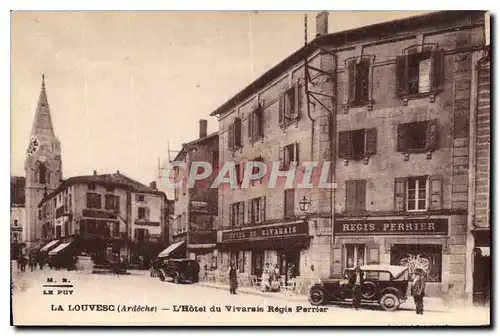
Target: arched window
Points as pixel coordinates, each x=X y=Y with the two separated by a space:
x=42 y=173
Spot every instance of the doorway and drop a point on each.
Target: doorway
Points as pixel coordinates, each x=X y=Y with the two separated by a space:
x=289 y=261
x=481 y=276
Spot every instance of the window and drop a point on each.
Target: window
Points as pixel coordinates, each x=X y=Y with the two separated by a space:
x=139 y=198
x=416 y=193
x=58 y=231
x=255 y=170
x=418 y=136
x=236 y=214
x=257 y=210
x=289 y=154
x=239 y=174
x=40 y=214
x=256 y=124
x=354 y=255
x=234 y=134
x=419 y=72
x=289 y=203
x=357 y=144
x=66 y=228
x=143 y=213
x=355 y=195
x=42 y=173
x=141 y=235
x=112 y=202
x=15 y=222
x=91 y=186
x=93 y=201
x=358 y=80
x=426 y=257
x=289 y=105
x=215 y=159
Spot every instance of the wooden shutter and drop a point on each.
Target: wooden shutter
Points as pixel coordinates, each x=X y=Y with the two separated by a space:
x=371 y=141
x=373 y=254
x=296 y=152
x=282 y=158
x=401 y=76
x=362 y=80
x=344 y=145
x=431 y=135
x=237 y=132
x=289 y=203
x=403 y=138
x=242 y=213
x=251 y=125
x=350 y=196
x=231 y=214
x=435 y=192
x=351 y=90
x=263 y=208
x=147 y=214
x=360 y=195
x=281 y=113
x=230 y=137
x=337 y=261
x=400 y=194
x=250 y=218
x=296 y=103
x=437 y=70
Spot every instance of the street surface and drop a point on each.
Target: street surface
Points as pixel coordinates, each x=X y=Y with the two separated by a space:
x=98 y=293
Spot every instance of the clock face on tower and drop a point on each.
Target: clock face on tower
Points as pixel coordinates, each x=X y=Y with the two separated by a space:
x=33 y=146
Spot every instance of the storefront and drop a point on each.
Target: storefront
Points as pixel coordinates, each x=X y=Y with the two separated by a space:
x=427 y=243
x=481 y=282
x=279 y=245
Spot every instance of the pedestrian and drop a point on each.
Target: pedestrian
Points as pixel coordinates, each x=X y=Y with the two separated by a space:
x=265 y=282
x=41 y=261
x=233 y=279
x=356 y=288
x=418 y=291
x=32 y=262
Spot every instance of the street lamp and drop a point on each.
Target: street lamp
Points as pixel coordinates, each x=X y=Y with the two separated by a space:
x=304 y=204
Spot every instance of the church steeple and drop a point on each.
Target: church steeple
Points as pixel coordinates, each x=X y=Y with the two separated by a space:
x=42 y=124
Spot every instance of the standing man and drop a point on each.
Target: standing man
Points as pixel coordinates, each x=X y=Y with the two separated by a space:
x=418 y=291
x=356 y=288
x=233 y=279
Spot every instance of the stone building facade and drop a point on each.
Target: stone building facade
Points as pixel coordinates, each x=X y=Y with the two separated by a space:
x=393 y=122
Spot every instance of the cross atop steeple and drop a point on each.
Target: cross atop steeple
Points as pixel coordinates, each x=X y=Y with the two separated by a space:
x=42 y=124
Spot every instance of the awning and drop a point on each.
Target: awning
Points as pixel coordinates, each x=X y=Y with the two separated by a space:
x=59 y=249
x=170 y=249
x=49 y=245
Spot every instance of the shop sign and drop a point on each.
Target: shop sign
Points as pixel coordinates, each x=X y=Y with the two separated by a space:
x=146 y=223
x=98 y=214
x=284 y=230
x=437 y=226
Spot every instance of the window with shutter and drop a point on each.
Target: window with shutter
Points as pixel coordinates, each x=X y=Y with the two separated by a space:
x=362 y=78
x=251 y=126
x=258 y=123
x=350 y=196
x=431 y=141
x=230 y=137
x=289 y=203
x=437 y=76
x=436 y=195
x=297 y=101
x=281 y=114
x=416 y=193
x=360 y=195
x=401 y=76
x=237 y=133
x=351 y=73
x=371 y=142
x=241 y=213
x=399 y=194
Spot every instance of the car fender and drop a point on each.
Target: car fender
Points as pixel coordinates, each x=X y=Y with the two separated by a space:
x=392 y=290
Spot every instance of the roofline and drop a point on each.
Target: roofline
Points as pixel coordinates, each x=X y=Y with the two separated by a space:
x=342 y=38
x=194 y=142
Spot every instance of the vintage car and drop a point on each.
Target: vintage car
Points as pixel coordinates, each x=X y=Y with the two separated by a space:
x=385 y=285
x=179 y=270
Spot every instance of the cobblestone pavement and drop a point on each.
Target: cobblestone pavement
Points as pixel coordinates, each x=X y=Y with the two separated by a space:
x=202 y=304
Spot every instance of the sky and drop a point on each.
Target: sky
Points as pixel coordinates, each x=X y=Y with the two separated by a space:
x=122 y=85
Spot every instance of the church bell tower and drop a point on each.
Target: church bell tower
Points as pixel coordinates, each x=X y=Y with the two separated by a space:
x=43 y=165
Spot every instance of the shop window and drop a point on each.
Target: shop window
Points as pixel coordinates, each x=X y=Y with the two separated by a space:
x=357 y=144
x=256 y=124
x=355 y=195
x=426 y=257
x=257 y=263
x=289 y=203
x=419 y=72
x=289 y=263
x=289 y=154
x=257 y=210
x=289 y=105
x=355 y=254
x=236 y=214
x=93 y=201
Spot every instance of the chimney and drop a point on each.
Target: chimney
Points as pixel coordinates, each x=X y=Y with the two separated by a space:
x=152 y=185
x=322 y=23
x=203 y=128
x=117 y=172
x=95 y=172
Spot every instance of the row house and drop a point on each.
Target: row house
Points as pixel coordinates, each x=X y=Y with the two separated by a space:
x=104 y=214
x=392 y=121
x=17 y=215
x=193 y=229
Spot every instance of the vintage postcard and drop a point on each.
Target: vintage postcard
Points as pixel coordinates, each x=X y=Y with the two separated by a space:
x=250 y=168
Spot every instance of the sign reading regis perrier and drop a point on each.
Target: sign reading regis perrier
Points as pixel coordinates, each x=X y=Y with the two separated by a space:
x=437 y=226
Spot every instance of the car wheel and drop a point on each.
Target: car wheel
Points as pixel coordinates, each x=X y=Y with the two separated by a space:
x=176 y=279
x=161 y=276
x=317 y=297
x=389 y=302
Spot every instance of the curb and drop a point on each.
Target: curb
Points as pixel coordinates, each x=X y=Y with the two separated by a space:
x=262 y=294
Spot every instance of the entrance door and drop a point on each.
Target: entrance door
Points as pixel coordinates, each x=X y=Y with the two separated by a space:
x=481 y=276
x=289 y=263
x=257 y=263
